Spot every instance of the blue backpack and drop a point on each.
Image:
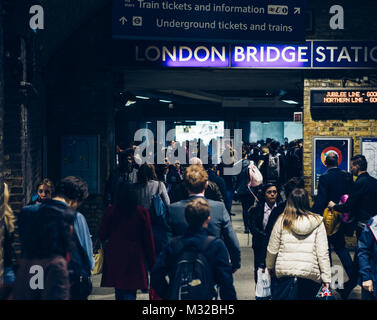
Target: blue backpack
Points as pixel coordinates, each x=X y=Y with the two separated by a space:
x=160 y=227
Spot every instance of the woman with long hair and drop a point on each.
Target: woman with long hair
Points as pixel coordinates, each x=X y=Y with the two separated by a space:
x=130 y=247
x=297 y=253
x=148 y=186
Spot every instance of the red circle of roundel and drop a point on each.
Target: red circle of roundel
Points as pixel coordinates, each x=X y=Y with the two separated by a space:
x=334 y=149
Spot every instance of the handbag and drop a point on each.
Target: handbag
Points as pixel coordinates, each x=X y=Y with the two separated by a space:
x=98 y=261
x=324 y=293
x=332 y=220
x=263 y=285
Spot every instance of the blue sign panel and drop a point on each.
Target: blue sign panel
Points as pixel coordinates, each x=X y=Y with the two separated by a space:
x=216 y=20
x=271 y=56
x=308 y=55
x=344 y=54
x=183 y=55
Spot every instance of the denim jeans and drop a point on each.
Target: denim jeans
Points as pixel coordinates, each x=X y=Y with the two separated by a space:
x=229 y=199
x=125 y=294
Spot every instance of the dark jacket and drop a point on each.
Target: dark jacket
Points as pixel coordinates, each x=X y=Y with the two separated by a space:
x=212 y=176
x=261 y=236
x=293 y=160
x=220 y=226
x=129 y=249
x=331 y=186
x=217 y=257
x=55 y=278
x=362 y=201
x=179 y=192
x=24 y=220
x=264 y=168
x=117 y=175
x=79 y=265
x=367 y=253
x=173 y=176
x=243 y=179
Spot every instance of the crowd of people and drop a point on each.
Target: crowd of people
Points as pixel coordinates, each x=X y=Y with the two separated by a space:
x=175 y=221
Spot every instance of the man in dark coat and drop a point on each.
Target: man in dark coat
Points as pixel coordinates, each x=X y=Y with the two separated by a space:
x=259 y=218
x=212 y=176
x=197 y=214
x=126 y=171
x=331 y=186
x=362 y=206
x=220 y=225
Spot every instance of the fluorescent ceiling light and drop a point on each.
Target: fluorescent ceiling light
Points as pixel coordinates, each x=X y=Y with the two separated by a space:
x=129 y=103
x=290 y=101
x=166 y=101
x=142 y=97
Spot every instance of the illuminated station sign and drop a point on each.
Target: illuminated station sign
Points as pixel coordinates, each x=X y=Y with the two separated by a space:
x=343 y=98
x=307 y=55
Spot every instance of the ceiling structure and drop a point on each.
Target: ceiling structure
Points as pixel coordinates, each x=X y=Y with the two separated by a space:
x=257 y=93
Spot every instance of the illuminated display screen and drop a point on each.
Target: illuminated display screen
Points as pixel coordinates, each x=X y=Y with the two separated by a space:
x=344 y=98
x=205 y=130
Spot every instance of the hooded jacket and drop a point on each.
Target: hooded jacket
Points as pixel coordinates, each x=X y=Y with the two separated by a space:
x=300 y=252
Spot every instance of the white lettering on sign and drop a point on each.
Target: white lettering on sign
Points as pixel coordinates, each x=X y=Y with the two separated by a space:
x=270 y=54
x=180 y=53
x=337 y=21
x=350 y=54
x=37 y=20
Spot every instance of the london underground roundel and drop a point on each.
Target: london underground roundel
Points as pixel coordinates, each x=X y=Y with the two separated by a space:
x=333 y=149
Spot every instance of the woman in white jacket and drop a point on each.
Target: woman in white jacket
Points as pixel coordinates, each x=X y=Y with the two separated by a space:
x=297 y=252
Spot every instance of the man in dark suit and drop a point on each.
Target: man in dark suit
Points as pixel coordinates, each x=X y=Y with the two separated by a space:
x=362 y=205
x=331 y=186
x=220 y=225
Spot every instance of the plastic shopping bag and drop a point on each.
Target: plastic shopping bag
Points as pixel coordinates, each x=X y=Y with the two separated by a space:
x=263 y=286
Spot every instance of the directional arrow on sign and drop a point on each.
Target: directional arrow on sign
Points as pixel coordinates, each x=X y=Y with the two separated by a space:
x=123 y=20
x=297 y=11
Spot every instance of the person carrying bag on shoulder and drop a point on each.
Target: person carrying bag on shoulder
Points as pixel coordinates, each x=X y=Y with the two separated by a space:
x=297 y=252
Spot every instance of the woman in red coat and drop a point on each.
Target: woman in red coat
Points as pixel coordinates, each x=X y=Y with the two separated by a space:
x=130 y=247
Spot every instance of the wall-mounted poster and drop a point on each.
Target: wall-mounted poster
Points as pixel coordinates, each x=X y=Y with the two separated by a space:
x=368 y=147
x=321 y=146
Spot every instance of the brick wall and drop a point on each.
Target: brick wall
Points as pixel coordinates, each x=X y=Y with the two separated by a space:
x=354 y=128
x=24 y=123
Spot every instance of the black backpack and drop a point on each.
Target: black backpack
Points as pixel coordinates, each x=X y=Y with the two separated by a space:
x=193 y=276
x=79 y=272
